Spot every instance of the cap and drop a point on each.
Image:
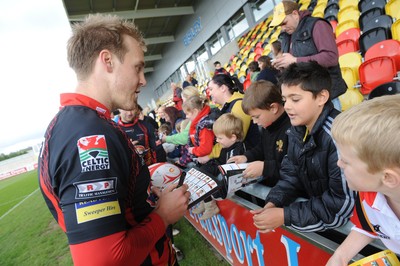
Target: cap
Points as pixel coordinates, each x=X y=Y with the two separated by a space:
x=281 y=10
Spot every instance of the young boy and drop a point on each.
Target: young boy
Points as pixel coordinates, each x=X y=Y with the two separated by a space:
x=263 y=102
x=228 y=130
x=368 y=140
x=309 y=169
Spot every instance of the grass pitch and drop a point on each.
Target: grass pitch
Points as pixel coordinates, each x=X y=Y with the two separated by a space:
x=30 y=236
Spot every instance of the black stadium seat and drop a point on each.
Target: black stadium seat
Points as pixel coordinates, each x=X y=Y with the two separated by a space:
x=389 y=88
x=366 y=17
x=372 y=36
x=383 y=21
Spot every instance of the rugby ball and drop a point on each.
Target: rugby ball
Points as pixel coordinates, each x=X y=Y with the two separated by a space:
x=162 y=174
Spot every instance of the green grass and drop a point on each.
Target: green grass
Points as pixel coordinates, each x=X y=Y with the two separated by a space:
x=30 y=236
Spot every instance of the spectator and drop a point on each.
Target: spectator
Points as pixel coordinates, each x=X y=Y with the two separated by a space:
x=147 y=119
x=228 y=130
x=201 y=136
x=305 y=38
x=267 y=72
x=263 y=102
x=309 y=169
x=219 y=69
x=89 y=173
x=172 y=116
x=253 y=71
x=194 y=80
x=224 y=90
x=176 y=96
x=188 y=81
x=367 y=137
x=161 y=114
x=276 y=49
x=182 y=137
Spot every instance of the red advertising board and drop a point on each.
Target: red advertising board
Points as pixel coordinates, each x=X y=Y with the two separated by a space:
x=233 y=234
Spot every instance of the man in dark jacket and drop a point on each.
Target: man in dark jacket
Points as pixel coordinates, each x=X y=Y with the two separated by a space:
x=305 y=38
x=309 y=169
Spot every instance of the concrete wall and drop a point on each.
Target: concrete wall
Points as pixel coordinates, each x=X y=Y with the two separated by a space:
x=213 y=15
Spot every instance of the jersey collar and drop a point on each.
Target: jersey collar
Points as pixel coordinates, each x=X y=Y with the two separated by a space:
x=69 y=99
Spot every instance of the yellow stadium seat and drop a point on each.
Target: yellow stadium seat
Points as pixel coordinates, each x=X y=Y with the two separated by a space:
x=348 y=13
x=267 y=49
x=351 y=60
x=346 y=3
x=242 y=73
x=319 y=10
x=243 y=68
x=345 y=25
x=396 y=30
x=350 y=98
x=392 y=8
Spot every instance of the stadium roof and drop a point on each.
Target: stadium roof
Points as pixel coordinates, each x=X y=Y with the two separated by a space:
x=157 y=19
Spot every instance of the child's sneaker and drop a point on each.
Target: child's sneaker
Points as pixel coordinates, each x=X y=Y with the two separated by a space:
x=199 y=208
x=211 y=209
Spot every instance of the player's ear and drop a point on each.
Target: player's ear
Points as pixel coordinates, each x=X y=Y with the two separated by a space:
x=391 y=178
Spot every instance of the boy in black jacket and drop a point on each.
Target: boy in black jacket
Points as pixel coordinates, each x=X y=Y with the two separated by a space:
x=228 y=131
x=309 y=169
x=263 y=102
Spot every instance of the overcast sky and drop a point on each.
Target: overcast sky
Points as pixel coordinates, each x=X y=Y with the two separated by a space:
x=34 y=69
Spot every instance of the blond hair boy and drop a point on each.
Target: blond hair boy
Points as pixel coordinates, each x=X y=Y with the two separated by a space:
x=368 y=140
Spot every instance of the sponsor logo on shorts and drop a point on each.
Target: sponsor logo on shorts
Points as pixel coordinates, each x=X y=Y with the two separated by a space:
x=96 y=209
x=93 y=153
x=96 y=188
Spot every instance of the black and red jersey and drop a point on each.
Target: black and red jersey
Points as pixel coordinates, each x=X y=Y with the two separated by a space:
x=145 y=135
x=98 y=190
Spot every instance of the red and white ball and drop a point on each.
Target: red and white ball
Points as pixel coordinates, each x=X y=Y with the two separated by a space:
x=162 y=174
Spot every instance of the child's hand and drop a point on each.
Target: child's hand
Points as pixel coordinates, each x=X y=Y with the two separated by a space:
x=237 y=159
x=203 y=159
x=268 y=219
x=190 y=150
x=254 y=169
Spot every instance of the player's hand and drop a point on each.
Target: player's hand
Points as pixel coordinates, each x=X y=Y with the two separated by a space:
x=172 y=202
x=254 y=169
x=237 y=159
x=190 y=150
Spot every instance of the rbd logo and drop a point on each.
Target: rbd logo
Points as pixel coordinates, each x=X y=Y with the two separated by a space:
x=93 y=153
x=240 y=244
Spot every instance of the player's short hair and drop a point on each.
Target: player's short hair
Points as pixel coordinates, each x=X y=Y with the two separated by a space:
x=96 y=33
x=228 y=125
x=372 y=129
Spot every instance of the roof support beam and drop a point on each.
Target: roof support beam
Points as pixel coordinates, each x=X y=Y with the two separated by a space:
x=152 y=57
x=162 y=39
x=148 y=69
x=144 y=13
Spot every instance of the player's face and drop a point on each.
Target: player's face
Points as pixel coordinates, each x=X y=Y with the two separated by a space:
x=225 y=141
x=263 y=118
x=128 y=76
x=127 y=116
x=356 y=171
x=301 y=106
